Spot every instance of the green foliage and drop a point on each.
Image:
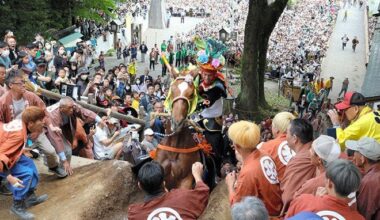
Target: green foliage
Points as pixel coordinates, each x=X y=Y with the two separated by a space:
x=28 y=17
x=110 y=52
x=91 y=9
x=25 y=18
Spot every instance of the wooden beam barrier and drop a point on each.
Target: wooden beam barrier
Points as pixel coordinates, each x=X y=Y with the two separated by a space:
x=48 y=94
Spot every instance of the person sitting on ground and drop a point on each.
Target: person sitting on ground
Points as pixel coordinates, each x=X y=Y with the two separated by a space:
x=249 y=207
x=179 y=203
x=367 y=157
x=258 y=175
x=19 y=170
x=365 y=122
x=149 y=143
x=105 y=147
x=343 y=178
x=278 y=148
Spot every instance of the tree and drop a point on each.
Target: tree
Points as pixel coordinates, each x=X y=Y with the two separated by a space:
x=261 y=20
x=28 y=17
x=25 y=18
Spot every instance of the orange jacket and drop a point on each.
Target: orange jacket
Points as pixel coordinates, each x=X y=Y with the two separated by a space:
x=12 y=142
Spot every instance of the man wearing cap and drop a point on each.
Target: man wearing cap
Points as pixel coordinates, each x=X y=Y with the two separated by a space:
x=364 y=122
x=343 y=177
x=44 y=78
x=278 y=148
x=299 y=169
x=149 y=143
x=105 y=147
x=367 y=157
x=323 y=151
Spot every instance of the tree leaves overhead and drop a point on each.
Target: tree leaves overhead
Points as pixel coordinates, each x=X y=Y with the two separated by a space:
x=28 y=17
x=92 y=9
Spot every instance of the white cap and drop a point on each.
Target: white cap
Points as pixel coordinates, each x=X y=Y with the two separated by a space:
x=367 y=146
x=148 y=131
x=113 y=121
x=326 y=148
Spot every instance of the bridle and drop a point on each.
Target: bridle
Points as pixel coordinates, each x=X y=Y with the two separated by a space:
x=182 y=87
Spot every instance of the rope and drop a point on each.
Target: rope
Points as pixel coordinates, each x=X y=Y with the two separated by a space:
x=178 y=150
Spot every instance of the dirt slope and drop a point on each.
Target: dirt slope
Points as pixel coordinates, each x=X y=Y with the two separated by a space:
x=96 y=191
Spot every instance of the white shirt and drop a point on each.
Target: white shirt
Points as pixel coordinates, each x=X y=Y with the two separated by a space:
x=18 y=107
x=100 y=135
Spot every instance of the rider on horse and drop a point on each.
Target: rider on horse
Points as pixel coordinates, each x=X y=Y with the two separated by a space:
x=212 y=88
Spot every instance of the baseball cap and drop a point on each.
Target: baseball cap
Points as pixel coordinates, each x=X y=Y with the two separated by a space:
x=326 y=148
x=148 y=131
x=83 y=70
x=113 y=121
x=367 y=146
x=22 y=54
x=351 y=98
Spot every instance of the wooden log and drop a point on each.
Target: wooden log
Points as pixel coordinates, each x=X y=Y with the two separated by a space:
x=48 y=94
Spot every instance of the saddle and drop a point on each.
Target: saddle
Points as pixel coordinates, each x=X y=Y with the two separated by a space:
x=211 y=124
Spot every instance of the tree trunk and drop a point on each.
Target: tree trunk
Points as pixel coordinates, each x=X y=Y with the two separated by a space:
x=248 y=99
x=261 y=20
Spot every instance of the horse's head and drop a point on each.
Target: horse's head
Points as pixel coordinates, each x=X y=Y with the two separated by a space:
x=182 y=94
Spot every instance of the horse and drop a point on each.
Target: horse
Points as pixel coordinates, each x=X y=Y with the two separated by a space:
x=180 y=147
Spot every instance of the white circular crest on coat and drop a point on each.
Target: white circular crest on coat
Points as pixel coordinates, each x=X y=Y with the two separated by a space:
x=269 y=169
x=330 y=215
x=164 y=213
x=285 y=153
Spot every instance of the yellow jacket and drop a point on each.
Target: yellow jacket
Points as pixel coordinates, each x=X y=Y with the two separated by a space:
x=132 y=69
x=328 y=84
x=135 y=104
x=365 y=126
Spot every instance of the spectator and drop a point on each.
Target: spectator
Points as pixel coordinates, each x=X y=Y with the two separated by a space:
x=149 y=143
x=149 y=99
x=344 y=87
x=143 y=50
x=364 y=122
x=367 y=157
x=157 y=123
x=105 y=147
x=4 y=56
